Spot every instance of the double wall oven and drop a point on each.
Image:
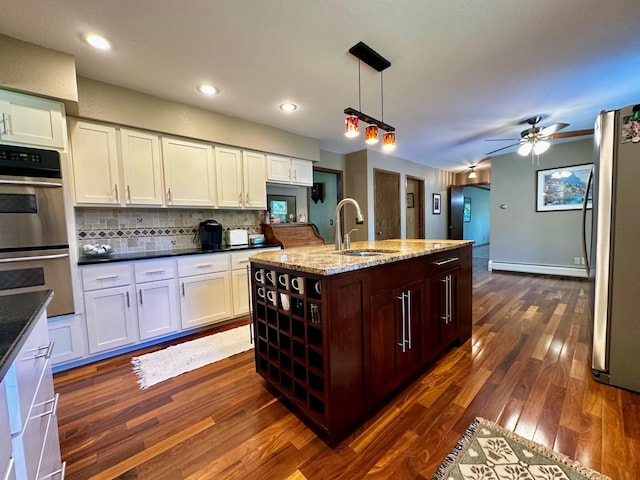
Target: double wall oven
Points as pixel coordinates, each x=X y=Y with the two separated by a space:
x=34 y=250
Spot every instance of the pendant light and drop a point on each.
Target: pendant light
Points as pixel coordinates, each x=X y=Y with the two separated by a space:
x=472 y=173
x=371 y=135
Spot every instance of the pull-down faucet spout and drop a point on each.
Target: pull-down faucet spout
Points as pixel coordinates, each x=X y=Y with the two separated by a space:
x=359 y=219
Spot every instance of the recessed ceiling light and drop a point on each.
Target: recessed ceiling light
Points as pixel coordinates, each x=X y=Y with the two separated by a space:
x=98 y=41
x=288 y=107
x=207 y=89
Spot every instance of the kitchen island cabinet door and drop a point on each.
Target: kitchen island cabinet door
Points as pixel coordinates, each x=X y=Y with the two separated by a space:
x=188 y=173
x=111 y=318
x=205 y=299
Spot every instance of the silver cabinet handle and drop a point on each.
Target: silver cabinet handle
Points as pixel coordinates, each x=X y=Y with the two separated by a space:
x=47 y=353
x=117 y=195
x=240 y=199
x=404 y=326
x=5 y=124
x=150 y=272
x=108 y=277
x=246 y=201
x=140 y=292
x=62 y=471
x=409 y=318
x=183 y=289
x=128 y=301
x=129 y=193
x=31 y=183
x=444 y=262
x=204 y=265
x=169 y=195
x=9 y=471
x=54 y=407
x=37 y=257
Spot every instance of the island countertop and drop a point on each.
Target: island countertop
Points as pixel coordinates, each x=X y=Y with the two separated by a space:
x=325 y=260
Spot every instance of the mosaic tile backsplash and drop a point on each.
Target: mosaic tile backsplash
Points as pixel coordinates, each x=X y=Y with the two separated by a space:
x=131 y=230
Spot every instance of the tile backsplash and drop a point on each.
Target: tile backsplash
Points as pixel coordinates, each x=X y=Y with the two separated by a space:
x=131 y=230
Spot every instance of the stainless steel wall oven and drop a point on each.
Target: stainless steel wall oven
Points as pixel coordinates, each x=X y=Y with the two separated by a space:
x=34 y=250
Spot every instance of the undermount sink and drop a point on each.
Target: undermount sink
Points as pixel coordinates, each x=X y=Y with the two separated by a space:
x=364 y=252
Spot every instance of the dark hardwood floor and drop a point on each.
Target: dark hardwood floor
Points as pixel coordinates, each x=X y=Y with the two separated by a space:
x=526 y=368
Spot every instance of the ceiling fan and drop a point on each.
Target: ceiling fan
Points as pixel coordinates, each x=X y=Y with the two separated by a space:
x=535 y=140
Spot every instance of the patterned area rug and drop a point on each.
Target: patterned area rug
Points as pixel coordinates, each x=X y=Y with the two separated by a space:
x=158 y=366
x=489 y=452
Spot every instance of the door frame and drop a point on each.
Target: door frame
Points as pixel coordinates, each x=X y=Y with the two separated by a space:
x=339 y=188
x=375 y=213
x=421 y=204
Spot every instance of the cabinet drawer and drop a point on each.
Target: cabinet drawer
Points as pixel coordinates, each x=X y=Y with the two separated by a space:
x=241 y=259
x=152 y=270
x=201 y=264
x=107 y=276
x=443 y=261
x=22 y=379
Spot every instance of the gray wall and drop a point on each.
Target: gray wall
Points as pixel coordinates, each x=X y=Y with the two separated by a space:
x=519 y=234
x=478 y=228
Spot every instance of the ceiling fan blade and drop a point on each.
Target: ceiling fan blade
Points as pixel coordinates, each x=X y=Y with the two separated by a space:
x=551 y=129
x=501 y=139
x=574 y=133
x=503 y=148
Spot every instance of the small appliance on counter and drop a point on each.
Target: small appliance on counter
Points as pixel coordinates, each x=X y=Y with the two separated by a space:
x=236 y=237
x=256 y=238
x=210 y=232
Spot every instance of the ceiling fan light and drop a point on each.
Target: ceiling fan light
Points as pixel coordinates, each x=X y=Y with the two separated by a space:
x=541 y=147
x=389 y=141
x=371 y=135
x=351 y=126
x=525 y=149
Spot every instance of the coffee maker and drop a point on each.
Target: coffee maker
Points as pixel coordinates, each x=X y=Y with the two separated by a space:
x=210 y=232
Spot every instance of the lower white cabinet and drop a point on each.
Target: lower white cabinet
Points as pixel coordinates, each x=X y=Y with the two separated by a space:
x=240 y=279
x=31 y=433
x=111 y=318
x=157 y=298
x=68 y=334
x=205 y=289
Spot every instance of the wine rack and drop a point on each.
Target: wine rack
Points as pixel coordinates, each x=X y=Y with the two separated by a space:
x=291 y=350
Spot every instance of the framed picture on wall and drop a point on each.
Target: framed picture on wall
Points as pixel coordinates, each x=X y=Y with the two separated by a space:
x=410 y=200
x=466 y=210
x=562 y=188
x=436 y=203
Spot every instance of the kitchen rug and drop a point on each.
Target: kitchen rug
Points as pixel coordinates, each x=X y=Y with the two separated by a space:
x=172 y=361
x=488 y=451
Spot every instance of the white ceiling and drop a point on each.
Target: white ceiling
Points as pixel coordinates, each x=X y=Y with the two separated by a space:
x=462 y=71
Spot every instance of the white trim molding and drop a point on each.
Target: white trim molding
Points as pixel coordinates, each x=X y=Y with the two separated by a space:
x=539 y=269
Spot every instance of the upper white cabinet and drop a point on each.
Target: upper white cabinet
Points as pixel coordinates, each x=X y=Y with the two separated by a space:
x=115 y=166
x=31 y=120
x=241 y=178
x=141 y=168
x=189 y=173
x=292 y=171
x=94 y=150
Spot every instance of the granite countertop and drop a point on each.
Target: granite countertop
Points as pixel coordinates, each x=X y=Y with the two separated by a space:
x=125 y=257
x=325 y=260
x=17 y=313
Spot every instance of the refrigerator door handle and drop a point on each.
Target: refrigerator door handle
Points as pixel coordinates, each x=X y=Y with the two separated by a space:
x=585 y=200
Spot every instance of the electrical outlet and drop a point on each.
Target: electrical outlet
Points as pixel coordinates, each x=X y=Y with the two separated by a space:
x=576 y=260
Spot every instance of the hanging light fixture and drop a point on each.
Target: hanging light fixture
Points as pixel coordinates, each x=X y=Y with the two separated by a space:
x=372 y=58
x=472 y=173
x=525 y=149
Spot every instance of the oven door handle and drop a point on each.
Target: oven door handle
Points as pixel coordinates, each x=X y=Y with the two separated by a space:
x=38 y=257
x=30 y=183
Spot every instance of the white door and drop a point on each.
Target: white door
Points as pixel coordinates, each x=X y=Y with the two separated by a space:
x=141 y=168
x=95 y=163
x=158 y=312
x=278 y=169
x=302 y=172
x=111 y=318
x=188 y=172
x=229 y=177
x=254 y=166
x=205 y=299
x=240 y=292
x=31 y=120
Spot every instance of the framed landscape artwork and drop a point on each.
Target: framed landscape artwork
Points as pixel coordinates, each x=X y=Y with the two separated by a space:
x=562 y=188
x=466 y=210
x=436 y=203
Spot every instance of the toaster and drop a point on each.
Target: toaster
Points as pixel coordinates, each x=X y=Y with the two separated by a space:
x=236 y=236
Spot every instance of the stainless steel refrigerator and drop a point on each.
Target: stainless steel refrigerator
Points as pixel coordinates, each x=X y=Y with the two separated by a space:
x=615 y=259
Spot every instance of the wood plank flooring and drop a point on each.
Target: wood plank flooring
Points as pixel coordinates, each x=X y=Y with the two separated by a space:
x=527 y=367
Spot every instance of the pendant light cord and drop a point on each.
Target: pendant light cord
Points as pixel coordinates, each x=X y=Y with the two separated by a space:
x=359 y=92
x=382 y=96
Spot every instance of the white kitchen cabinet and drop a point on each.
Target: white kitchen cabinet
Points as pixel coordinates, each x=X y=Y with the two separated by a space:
x=205 y=289
x=188 y=173
x=291 y=171
x=239 y=280
x=67 y=332
x=94 y=150
x=240 y=179
x=157 y=298
x=32 y=121
x=110 y=306
x=141 y=168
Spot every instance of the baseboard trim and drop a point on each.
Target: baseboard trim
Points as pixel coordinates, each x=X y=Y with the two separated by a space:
x=578 y=272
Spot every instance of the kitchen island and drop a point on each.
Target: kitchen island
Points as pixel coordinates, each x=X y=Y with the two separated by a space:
x=337 y=333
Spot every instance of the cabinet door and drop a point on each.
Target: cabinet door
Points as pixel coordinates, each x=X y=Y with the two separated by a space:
x=254 y=167
x=205 y=299
x=302 y=172
x=189 y=173
x=158 y=312
x=67 y=332
x=443 y=324
x=30 y=120
x=240 y=292
x=278 y=169
x=141 y=168
x=229 y=177
x=95 y=163
x=111 y=318
x=409 y=328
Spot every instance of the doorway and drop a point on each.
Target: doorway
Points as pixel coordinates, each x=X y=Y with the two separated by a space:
x=386 y=186
x=415 y=208
x=322 y=198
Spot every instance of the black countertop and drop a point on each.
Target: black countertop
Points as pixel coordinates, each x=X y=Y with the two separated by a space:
x=125 y=257
x=17 y=313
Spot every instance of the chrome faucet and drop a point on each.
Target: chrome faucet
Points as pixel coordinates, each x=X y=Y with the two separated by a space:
x=359 y=219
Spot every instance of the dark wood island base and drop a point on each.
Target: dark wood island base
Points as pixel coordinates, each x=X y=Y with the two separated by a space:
x=336 y=345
